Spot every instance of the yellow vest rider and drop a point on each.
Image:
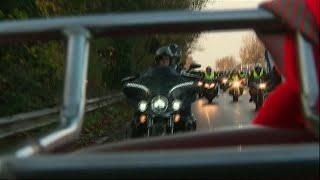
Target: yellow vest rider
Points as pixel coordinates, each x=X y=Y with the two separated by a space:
x=209 y=75
x=235 y=77
x=256 y=75
x=242 y=74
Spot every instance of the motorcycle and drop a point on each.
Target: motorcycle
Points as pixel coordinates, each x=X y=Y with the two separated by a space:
x=161 y=99
x=260 y=93
x=200 y=89
x=236 y=89
x=224 y=85
x=208 y=89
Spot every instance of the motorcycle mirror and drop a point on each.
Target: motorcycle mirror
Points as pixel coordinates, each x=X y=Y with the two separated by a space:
x=194 y=66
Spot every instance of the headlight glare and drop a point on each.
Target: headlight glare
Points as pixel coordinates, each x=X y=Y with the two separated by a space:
x=236 y=84
x=143 y=105
x=262 y=85
x=159 y=104
x=176 y=105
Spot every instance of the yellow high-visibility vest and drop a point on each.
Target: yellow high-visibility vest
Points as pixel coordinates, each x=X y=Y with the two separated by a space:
x=256 y=75
x=235 y=78
x=209 y=77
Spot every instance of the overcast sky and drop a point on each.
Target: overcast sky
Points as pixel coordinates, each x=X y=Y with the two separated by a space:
x=215 y=44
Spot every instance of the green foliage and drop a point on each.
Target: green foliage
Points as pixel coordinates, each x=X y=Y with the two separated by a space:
x=109 y=121
x=31 y=75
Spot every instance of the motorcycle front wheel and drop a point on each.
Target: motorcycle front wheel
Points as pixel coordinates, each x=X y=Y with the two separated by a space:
x=259 y=101
x=235 y=98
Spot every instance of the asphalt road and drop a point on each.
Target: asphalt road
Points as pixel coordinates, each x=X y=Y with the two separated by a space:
x=223 y=112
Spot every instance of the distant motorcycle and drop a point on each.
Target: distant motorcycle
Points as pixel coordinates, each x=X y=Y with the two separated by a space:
x=260 y=93
x=236 y=89
x=224 y=84
x=160 y=99
x=208 y=89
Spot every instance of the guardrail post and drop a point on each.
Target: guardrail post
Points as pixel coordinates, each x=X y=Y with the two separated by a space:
x=72 y=110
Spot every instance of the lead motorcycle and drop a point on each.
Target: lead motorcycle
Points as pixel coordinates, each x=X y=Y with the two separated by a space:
x=161 y=98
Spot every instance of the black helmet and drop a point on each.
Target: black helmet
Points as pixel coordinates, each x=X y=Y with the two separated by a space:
x=163 y=51
x=208 y=69
x=175 y=52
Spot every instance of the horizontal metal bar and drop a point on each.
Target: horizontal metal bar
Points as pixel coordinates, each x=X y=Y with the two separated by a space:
x=298 y=160
x=139 y=23
x=37 y=119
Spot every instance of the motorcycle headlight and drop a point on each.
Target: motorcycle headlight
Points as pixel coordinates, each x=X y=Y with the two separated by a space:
x=206 y=85
x=212 y=85
x=262 y=85
x=159 y=104
x=176 y=105
x=143 y=105
x=224 y=81
x=236 y=84
x=200 y=83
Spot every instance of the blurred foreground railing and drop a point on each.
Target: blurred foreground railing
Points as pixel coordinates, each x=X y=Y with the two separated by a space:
x=18 y=123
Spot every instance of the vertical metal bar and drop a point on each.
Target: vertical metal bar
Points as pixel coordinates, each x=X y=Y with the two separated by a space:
x=309 y=82
x=76 y=73
x=73 y=97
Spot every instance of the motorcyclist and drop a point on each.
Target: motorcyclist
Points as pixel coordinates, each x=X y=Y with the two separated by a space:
x=274 y=73
x=275 y=78
x=163 y=57
x=162 y=75
x=234 y=76
x=242 y=74
x=208 y=74
x=256 y=74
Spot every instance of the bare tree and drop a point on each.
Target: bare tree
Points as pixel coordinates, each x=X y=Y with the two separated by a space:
x=252 y=50
x=225 y=63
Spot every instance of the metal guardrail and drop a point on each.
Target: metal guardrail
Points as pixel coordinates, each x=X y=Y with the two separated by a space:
x=32 y=120
x=119 y=24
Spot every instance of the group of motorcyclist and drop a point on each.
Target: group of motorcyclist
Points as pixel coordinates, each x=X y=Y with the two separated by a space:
x=167 y=82
x=235 y=80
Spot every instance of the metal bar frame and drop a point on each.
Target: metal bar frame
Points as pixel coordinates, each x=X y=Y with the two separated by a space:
x=140 y=23
x=74 y=95
x=309 y=82
x=129 y=24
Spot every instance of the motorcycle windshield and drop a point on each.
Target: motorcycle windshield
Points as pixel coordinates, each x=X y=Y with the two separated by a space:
x=163 y=81
x=160 y=80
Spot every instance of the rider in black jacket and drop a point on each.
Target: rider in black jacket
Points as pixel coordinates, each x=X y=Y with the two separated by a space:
x=256 y=74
